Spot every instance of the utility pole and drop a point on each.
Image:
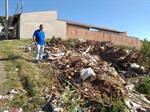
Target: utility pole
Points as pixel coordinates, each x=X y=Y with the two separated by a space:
x=6 y=25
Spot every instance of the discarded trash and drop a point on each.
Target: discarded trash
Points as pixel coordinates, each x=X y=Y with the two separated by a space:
x=130 y=87
x=57 y=55
x=79 y=110
x=11 y=97
x=17 y=69
x=84 y=53
x=85 y=73
x=132 y=105
x=27 y=49
x=46 y=108
x=13 y=91
x=6 y=111
x=135 y=66
x=18 y=110
x=1 y=98
x=58 y=110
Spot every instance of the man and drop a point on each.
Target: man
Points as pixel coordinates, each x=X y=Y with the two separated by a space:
x=39 y=39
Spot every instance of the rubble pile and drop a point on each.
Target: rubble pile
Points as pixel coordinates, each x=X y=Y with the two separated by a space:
x=98 y=70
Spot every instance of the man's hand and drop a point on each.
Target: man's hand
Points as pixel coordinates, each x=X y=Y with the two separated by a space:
x=35 y=43
x=34 y=40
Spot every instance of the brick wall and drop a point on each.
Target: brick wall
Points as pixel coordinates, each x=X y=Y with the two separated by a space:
x=79 y=32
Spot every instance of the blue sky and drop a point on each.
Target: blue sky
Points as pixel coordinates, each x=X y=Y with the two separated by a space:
x=132 y=16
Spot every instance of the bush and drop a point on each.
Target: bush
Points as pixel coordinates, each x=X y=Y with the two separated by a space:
x=124 y=47
x=144 y=86
x=72 y=40
x=145 y=54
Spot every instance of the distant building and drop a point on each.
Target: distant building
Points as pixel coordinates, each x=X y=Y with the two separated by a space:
x=26 y=23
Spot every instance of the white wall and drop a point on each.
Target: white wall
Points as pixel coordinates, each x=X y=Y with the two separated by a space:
x=1 y=29
x=29 y=22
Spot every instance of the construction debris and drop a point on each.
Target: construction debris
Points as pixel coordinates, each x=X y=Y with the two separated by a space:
x=94 y=69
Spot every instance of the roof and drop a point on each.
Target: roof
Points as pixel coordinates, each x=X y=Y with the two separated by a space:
x=89 y=26
x=15 y=19
x=17 y=16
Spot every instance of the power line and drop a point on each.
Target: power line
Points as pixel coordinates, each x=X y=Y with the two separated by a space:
x=22 y=5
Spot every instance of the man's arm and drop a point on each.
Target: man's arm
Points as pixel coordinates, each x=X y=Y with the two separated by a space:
x=34 y=39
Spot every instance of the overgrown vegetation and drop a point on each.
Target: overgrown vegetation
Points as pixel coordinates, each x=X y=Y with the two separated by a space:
x=124 y=47
x=144 y=86
x=72 y=40
x=145 y=54
x=2 y=20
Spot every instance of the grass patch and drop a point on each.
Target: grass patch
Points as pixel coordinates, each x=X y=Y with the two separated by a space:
x=22 y=73
x=72 y=39
x=124 y=47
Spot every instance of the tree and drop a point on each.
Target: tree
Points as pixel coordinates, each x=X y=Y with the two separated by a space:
x=2 y=20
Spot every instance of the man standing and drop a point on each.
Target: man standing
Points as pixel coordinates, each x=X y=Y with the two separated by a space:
x=39 y=39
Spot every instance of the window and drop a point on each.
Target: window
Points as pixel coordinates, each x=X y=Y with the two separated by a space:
x=94 y=29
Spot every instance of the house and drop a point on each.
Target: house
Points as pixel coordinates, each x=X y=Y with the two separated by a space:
x=26 y=23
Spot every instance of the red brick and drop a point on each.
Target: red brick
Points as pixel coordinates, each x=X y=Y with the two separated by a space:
x=75 y=31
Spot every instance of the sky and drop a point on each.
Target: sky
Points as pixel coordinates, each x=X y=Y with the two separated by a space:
x=132 y=16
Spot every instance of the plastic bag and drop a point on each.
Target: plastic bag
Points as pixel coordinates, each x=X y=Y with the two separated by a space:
x=85 y=73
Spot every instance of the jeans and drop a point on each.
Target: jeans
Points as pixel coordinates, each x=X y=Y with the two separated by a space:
x=39 y=52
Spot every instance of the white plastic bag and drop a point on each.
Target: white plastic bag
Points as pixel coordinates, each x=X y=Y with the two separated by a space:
x=85 y=73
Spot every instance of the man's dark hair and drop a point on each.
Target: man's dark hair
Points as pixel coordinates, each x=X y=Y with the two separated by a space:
x=41 y=25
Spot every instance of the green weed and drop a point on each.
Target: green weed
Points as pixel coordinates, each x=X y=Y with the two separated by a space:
x=144 y=86
x=72 y=40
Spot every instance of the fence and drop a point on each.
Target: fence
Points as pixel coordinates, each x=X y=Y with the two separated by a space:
x=118 y=39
